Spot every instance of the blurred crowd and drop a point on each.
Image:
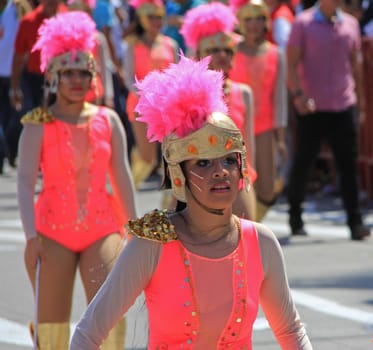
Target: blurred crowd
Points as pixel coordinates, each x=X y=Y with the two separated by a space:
x=132 y=42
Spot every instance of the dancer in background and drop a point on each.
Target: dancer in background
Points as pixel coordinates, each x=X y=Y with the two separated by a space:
x=102 y=93
x=75 y=223
x=147 y=50
x=261 y=65
x=204 y=247
x=208 y=31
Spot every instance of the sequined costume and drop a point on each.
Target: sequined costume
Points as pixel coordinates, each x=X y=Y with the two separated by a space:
x=185 y=311
x=146 y=59
x=260 y=73
x=74 y=207
x=237 y=111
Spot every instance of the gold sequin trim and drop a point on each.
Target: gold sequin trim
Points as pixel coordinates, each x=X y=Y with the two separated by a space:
x=154 y=226
x=37 y=116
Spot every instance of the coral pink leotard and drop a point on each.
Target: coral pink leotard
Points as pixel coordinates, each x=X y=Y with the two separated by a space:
x=236 y=110
x=190 y=303
x=147 y=59
x=259 y=72
x=236 y=106
x=74 y=207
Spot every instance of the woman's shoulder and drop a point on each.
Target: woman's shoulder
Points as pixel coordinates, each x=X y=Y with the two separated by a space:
x=263 y=232
x=167 y=40
x=155 y=226
x=37 y=116
x=268 y=241
x=131 y=40
x=102 y=111
x=244 y=88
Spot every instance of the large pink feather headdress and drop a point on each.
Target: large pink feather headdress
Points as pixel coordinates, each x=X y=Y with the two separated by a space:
x=252 y=8
x=205 y=21
x=179 y=99
x=138 y=3
x=237 y=4
x=183 y=107
x=81 y=4
x=68 y=32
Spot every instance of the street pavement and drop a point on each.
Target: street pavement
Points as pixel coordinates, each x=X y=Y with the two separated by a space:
x=331 y=277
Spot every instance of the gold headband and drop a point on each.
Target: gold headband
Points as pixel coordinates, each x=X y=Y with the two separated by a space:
x=80 y=60
x=219 y=40
x=149 y=9
x=218 y=137
x=252 y=10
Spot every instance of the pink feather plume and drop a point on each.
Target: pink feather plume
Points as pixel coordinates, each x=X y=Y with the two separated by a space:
x=179 y=99
x=66 y=32
x=137 y=3
x=206 y=20
x=91 y=3
x=236 y=4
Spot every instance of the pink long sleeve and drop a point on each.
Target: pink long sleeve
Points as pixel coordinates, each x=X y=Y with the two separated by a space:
x=278 y=306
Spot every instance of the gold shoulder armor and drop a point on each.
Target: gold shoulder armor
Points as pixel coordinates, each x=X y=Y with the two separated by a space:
x=37 y=116
x=154 y=226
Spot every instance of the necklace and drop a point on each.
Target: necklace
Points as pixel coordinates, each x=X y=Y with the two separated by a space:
x=193 y=233
x=234 y=325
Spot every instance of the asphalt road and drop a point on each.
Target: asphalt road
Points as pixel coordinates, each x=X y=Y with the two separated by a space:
x=330 y=276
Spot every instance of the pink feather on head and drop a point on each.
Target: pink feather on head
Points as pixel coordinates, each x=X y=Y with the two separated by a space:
x=206 y=20
x=66 y=32
x=137 y=3
x=90 y=3
x=179 y=99
x=236 y=4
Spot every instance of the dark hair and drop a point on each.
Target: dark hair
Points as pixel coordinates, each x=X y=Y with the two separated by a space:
x=138 y=28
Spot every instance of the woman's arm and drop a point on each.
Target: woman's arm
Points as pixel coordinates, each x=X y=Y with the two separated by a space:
x=280 y=96
x=249 y=137
x=275 y=296
x=28 y=166
x=105 y=69
x=281 y=107
x=120 y=175
x=129 y=66
x=130 y=275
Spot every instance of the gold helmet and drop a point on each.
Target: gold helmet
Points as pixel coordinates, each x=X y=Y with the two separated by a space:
x=185 y=110
x=146 y=8
x=66 y=41
x=209 y=26
x=250 y=9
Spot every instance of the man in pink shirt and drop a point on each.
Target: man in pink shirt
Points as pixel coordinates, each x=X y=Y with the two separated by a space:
x=323 y=77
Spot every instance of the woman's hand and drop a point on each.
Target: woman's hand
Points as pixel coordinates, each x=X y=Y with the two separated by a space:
x=304 y=104
x=282 y=152
x=34 y=249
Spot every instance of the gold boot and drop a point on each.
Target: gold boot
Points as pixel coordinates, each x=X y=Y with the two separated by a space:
x=52 y=336
x=140 y=168
x=261 y=210
x=116 y=338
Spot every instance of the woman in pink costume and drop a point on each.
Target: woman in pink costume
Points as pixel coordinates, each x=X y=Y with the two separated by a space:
x=261 y=65
x=208 y=31
x=77 y=146
x=147 y=50
x=204 y=271
x=102 y=93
